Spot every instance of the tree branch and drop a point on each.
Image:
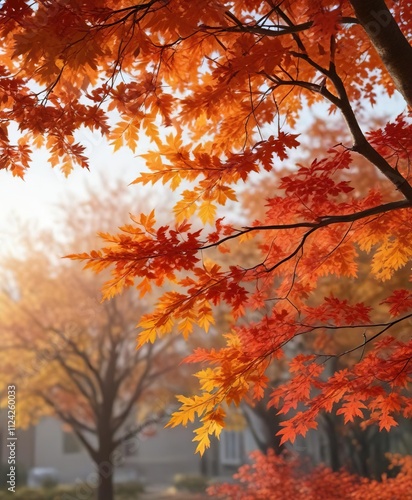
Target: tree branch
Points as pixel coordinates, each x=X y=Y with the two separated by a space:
x=385 y=327
x=76 y=376
x=74 y=423
x=389 y=41
x=360 y=143
x=82 y=355
x=136 y=430
x=325 y=220
x=271 y=31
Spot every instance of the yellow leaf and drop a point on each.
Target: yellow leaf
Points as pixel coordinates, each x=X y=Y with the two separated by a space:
x=391 y=256
x=207 y=379
x=186 y=327
x=184 y=209
x=204 y=442
x=207 y=212
x=149 y=333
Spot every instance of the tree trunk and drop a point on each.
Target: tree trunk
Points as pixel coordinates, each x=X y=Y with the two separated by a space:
x=389 y=41
x=105 y=489
x=261 y=418
x=333 y=442
x=105 y=462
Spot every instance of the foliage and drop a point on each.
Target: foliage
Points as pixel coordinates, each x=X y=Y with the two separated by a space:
x=49 y=483
x=274 y=476
x=218 y=88
x=126 y=491
x=190 y=482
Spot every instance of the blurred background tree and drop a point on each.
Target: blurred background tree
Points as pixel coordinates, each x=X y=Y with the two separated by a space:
x=77 y=357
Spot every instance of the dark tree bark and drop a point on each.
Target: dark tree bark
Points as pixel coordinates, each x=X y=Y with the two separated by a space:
x=105 y=469
x=333 y=442
x=389 y=41
x=267 y=422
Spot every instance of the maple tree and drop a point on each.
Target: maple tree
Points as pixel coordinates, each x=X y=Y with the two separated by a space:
x=360 y=450
x=74 y=358
x=278 y=476
x=219 y=88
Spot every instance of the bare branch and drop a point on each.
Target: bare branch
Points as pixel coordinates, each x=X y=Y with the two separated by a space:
x=136 y=430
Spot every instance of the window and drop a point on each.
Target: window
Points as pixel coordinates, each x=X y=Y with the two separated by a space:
x=129 y=446
x=71 y=444
x=231 y=447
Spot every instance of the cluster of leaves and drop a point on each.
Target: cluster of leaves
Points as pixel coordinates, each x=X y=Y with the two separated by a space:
x=218 y=88
x=279 y=476
x=297 y=261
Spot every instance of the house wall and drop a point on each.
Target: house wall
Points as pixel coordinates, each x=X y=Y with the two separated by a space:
x=168 y=452
x=152 y=459
x=24 y=448
x=223 y=459
x=49 y=452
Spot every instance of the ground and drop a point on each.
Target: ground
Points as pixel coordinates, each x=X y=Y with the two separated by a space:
x=164 y=493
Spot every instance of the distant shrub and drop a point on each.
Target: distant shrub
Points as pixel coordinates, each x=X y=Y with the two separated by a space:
x=127 y=491
x=193 y=483
x=49 y=483
x=124 y=491
x=30 y=494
